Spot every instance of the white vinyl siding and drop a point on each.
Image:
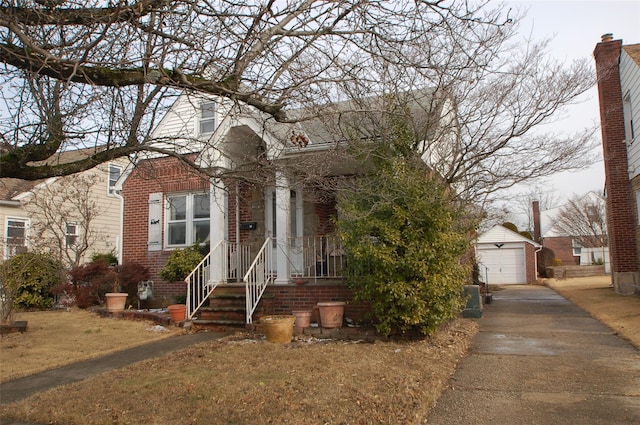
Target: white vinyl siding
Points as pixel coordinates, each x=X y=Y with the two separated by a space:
x=630 y=85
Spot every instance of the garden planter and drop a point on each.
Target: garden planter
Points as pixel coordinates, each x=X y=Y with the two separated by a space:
x=303 y=319
x=178 y=312
x=116 y=301
x=331 y=314
x=278 y=329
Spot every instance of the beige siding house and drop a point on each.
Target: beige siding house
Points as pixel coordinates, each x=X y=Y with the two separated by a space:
x=73 y=217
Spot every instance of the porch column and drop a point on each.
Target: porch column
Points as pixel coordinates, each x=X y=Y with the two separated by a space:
x=217 y=221
x=283 y=220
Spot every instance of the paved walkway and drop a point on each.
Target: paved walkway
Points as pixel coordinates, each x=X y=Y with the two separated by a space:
x=539 y=359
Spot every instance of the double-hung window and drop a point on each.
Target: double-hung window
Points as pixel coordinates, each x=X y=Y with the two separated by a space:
x=71 y=235
x=16 y=236
x=207 y=118
x=187 y=219
x=114 y=174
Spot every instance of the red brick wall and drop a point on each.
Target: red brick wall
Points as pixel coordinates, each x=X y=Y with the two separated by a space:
x=530 y=258
x=165 y=175
x=620 y=219
x=563 y=249
x=285 y=298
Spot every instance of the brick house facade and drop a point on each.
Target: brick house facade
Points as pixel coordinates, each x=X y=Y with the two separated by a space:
x=618 y=74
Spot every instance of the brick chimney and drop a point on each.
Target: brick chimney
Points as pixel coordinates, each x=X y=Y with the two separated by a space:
x=619 y=201
x=535 y=205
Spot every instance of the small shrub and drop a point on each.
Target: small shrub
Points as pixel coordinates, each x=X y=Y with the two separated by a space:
x=89 y=282
x=27 y=280
x=129 y=275
x=557 y=262
x=181 y=262
x=108 y=258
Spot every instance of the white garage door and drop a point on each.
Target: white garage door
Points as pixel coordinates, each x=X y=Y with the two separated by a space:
x=505 y=265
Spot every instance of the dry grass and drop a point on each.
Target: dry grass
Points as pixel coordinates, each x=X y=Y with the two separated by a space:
x=242 y=380
x=57 y=338
x=594 y=294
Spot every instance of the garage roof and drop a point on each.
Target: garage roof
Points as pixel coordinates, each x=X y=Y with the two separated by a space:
x=500 y=233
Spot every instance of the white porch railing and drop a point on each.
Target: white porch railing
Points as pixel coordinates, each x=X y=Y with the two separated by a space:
x=311 y=257
x=234 y=260
x=258 y=277
x=316 y=257
x=199 y=285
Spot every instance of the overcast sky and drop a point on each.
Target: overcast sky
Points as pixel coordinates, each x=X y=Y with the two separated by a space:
x=576 y=27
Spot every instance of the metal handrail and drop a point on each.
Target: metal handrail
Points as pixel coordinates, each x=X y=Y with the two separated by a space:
x=258 y=277
x=199 y=285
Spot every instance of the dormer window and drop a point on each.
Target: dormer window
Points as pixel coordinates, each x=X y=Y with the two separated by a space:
x=207 y=118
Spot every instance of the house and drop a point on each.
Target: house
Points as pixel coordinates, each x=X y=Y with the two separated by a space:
x=506 y=257
x=570 y=249
x=267 y=213
x=73 y=217
x=618 y=73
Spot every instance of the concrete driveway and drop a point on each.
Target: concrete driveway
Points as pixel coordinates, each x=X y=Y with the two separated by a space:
x=539 y=359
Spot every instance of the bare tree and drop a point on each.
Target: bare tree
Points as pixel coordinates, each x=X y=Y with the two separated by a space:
x=102 y=74
x=63 y=216
x=583 y=218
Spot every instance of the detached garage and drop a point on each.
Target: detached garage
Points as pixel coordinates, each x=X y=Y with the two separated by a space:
x=506 y=257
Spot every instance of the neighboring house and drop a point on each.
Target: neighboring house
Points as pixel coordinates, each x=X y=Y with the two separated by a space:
x=506 y=257
x=63 y=214
x=268 y=218
x=618 y=72
x=568 y=249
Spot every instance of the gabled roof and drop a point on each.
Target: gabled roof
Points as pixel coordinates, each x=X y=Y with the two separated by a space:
x=500 y=234
x=633 y=50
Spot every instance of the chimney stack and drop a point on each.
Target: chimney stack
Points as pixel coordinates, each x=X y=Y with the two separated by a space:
x=537 y=237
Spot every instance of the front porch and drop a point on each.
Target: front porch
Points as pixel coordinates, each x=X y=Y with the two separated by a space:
x=274 y=279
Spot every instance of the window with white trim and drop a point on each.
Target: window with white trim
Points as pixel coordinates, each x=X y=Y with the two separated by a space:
x=71 y=235
x=187 y=219
x=16 y=237
x=576 y=247
x=207 y=118
x=114 y=174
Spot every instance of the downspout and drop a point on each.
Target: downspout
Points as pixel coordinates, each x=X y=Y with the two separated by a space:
x=535 y=260
x=121 y=230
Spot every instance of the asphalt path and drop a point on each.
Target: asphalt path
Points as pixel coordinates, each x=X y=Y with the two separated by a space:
x=540 y=359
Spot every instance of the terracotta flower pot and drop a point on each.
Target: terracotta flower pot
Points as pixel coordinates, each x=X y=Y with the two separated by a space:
x=303 y=319
x=331 y=314
x=278 y=329
x=116 y=301
x=178 y=312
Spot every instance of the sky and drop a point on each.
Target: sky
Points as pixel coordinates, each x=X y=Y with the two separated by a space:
x=577 y=26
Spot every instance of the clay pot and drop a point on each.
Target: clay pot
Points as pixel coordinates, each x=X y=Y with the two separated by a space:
x=331 y=314
x=116 y=301
x=303 y=319
x=278 y=329
x=178 y=312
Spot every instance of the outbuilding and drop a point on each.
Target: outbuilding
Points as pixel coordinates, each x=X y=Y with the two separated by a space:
x=506 y=257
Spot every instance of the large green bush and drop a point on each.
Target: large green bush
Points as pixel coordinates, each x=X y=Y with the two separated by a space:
x=27 y=279
x=405 y=235
x=181 y=262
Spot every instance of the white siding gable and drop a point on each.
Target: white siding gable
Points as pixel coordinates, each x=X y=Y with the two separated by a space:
x=500 y=234
x=630 y=83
